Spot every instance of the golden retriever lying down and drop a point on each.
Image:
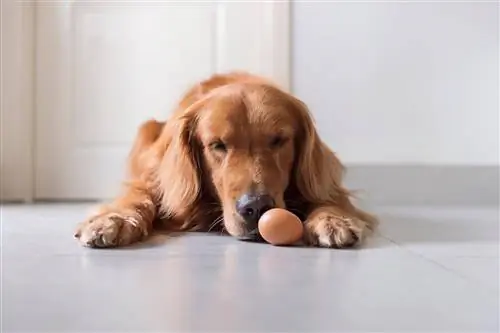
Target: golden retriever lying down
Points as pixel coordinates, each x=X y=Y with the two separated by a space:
x=236 y=146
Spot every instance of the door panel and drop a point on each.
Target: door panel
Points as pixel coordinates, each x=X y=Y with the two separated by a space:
x=16 y=100
x=132 y=62
x=103 y=68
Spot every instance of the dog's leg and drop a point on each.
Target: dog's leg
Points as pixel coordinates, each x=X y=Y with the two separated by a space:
x=129 y=217
x=126 y=220
x=332 y=226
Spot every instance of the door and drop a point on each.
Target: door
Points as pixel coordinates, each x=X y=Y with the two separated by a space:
x=104 y=67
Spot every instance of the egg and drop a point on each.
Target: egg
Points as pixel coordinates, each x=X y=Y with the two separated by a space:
x=280 y=227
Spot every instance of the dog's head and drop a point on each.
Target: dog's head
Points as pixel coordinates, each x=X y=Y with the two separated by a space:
x=247 y=143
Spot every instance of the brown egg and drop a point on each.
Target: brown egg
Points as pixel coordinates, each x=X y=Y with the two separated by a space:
x=280 y=227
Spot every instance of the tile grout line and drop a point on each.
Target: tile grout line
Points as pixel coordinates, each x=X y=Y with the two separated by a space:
x=434 y=262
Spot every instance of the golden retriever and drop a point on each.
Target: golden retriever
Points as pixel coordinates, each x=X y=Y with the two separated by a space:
x=236 y=146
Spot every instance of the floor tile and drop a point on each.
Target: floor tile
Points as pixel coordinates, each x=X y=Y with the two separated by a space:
x=484 y=271
x=449 y=232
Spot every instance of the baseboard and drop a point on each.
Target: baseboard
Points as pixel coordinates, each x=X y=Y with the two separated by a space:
x=425 y=185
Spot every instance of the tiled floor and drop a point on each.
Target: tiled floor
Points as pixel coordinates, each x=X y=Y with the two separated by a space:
x=430 y=269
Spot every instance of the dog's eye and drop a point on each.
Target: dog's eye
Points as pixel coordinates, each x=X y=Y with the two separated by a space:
x=277 y=141
x=218 y=146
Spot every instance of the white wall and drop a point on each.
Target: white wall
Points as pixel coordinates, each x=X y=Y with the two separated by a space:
x=401 y=83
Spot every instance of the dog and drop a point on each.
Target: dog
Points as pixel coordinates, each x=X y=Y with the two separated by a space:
x=236 y=146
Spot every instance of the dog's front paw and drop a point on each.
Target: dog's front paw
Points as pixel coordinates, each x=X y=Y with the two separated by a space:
x=331 y=230
x=109 y=230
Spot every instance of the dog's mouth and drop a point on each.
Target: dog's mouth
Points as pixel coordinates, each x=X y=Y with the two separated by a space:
x=252 y=236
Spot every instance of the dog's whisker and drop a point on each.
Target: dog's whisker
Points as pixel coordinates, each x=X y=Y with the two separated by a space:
x=213 y=225
x=216 y=223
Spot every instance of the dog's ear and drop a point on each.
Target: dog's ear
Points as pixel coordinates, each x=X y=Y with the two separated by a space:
x=318 y=172
x=180 y=171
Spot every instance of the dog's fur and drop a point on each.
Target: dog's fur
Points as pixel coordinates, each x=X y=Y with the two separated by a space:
x=230 y=134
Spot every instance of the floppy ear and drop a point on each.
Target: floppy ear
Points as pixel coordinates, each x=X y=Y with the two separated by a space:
x=318 y=172
x=180 y=169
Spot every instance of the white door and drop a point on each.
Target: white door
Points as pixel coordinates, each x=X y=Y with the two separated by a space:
x=104 y=67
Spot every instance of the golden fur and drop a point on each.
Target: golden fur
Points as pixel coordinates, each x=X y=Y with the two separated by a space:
x=230 y=134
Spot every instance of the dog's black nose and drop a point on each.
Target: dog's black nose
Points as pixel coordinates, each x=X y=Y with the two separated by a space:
x=252 y=206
